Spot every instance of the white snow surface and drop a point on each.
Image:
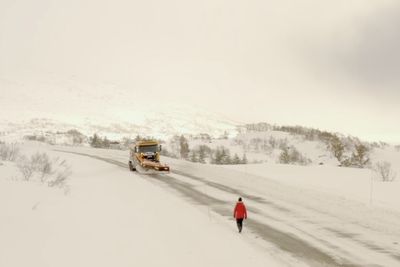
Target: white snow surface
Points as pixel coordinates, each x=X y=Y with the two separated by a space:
x=115 y=217
x=111 y=217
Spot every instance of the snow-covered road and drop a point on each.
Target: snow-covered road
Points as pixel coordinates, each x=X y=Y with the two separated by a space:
x=297 y=225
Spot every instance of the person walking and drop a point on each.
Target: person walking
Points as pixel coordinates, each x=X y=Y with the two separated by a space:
x=240 y=213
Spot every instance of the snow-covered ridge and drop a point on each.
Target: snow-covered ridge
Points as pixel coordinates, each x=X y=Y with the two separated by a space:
x=51 y=103
x=158 y=126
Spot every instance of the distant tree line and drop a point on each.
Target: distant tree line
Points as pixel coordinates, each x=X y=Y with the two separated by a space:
x=76 y=137
x=310 y=134
x=258 y=127
x=202 y=153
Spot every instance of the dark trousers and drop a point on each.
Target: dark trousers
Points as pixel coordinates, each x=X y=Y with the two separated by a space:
x=239 y=223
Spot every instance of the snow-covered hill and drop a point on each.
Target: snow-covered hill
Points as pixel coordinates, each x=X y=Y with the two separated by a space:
x=267 y=146
x=51 y=104
x=156 y=124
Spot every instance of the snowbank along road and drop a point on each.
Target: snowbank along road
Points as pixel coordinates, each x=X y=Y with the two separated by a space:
x=312 y=228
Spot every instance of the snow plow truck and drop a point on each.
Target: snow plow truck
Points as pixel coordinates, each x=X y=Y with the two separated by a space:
x=145 y=155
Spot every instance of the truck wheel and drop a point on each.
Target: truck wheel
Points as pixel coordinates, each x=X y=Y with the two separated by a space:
x=131 y=168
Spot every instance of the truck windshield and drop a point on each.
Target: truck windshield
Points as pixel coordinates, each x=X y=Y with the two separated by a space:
x=144 y=149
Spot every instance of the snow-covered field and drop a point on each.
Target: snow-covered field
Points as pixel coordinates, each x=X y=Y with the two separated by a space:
x=362 y=185
x=298 y=216
x=111 y=217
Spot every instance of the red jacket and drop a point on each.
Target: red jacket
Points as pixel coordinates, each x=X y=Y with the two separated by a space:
x=240 y=211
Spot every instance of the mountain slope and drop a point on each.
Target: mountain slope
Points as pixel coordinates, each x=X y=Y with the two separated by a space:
x=52 y=103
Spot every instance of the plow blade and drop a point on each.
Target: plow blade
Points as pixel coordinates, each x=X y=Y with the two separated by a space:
x=156 y=166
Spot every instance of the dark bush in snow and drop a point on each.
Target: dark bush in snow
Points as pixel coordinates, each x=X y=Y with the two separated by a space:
x=360 y=156
x=290 y=155
x=9 y=152
x=39 y=167
x=337 y=148
x=384 y=172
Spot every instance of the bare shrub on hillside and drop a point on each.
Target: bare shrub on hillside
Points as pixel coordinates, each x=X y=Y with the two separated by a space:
x=39 y=138
x=384 y=171
x=25 y=167
x=9 y=152
x=272 y=142
x=236 y=160
x=259 y=145
x=360 y=157
x=200 y=154
x=204 y=153
x=283 y=143
x=290 y=155
x=40 y=162
x=258 y=127
x=98 y=142
x=221 y=155
x=184 y=147
x=77 y=137
x=337 y=148
x=193 y=156
x=39 y=167
x=284 y=157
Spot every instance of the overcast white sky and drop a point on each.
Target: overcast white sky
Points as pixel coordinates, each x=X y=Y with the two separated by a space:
x=328 y=64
